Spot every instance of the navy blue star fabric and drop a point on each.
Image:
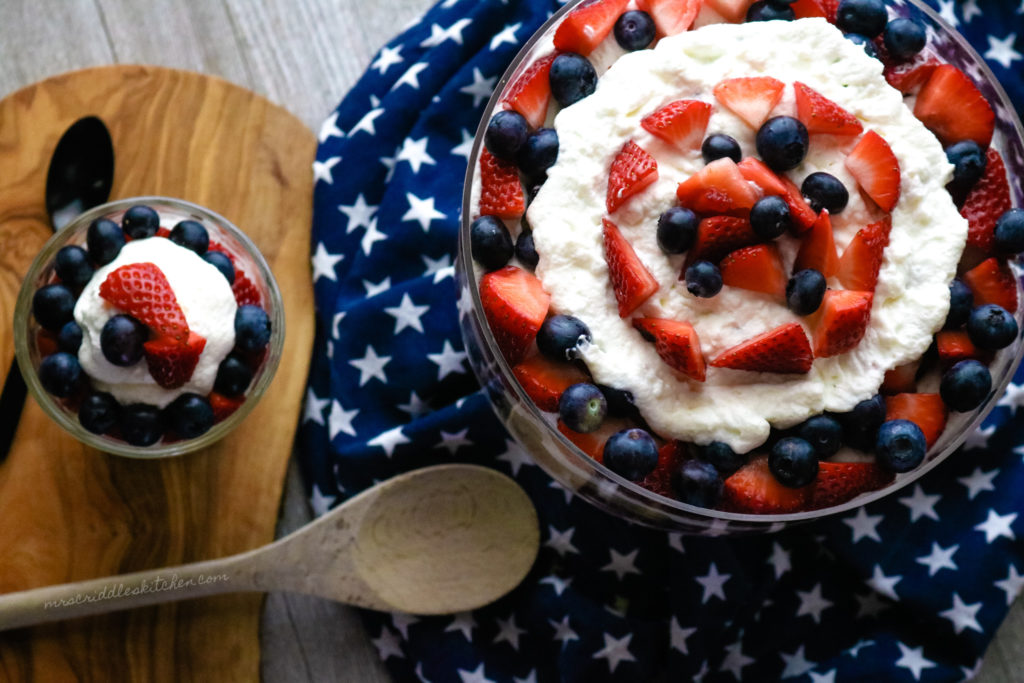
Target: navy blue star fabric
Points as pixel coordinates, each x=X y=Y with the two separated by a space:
x=911 y=588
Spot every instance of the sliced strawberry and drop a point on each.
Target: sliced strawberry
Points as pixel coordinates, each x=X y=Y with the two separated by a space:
x=821 y=115
x=953 y=108
x=862 y=258
x=752 y=99
x=671 y=16
x=530 y=94
x=718 y=235
x=730 y=10
x=783 y=350
x=901 y=379
x=719 y=187
x=802 y=213
x=844 y=319
x=163 y=232
x=515 y=304
x=876 y=170
x=501 y=193
x=992 y=282
x=659 y=481
x=632 y=170
x=909 y=76
x=805 y=9
x=592 y=443
x=839 y=482
x=681 y=123
x=223 y=406
x=756 y=172
x=245 y=290
x=831 y=8
x=986 y=202
x=954 y=346
x=757 y=268
x=754 y=489
x=818 y=248
x=171 y=363
x=142 y=290
x=676 y=343
x=927 y=411
x=632 y=283
x=585 y=27
x=544 y=380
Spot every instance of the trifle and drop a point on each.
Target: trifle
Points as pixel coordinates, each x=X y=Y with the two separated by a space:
x=745 y=258
x=148 y=327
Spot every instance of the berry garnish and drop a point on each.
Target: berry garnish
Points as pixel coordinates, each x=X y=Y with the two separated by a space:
x=703 y=279
x=121 y=340
x=631 y=453
x=587 y=25
x=632 y=170
x=223 y=406
x=1009 y=232
x=582 y=407
x=782 y=143
x=142 y=290
x=844 y=319
x=793 y=462
x=141 y=424
x=757 y=268
x=490 y=242
x=821 y=115
x=671 y=16
x=818 y=248
x=515 y=304
x=961 y=303
x=525 y=251
x=860 y=425
x=824 y=433
x=140 y=221
x=545 y=380
x=784 y=349
x=99 y=412
x=992 y=282
x=72 y=265
x=719 y=187
x=104 y=240
x=752 y=99
x=221 y=262
x=70 y=337
x=60 y=374
x=986 y=203
x=720 y=146
x=191 y=235
x=531 y=93
x=631 y=282
x=718 y=235
x=768 y=10
x=560 y=336
x=825 y=191
x=805 y=291
x=968 y=159
x=720 y=455
x=538 y=153
x=866 y=17
x=170 y=362
x=876 y=170
x=676 y=343
x=927 y=411
x=252 y=328
x=505 y=134
x=840 y=482
x=53 y=305
x=572 y=77
x=634 y=30
x=904 y=37
x=901 y=446
x=677 y=230
x=953 y=108
x=233 y=376
x=953 y=346
x=965 y=386
x=245 y=290
x=754 y=489
x=698 y=483
x=864 y=42
x=681 y=123
x=991 y=327
x=862 y=259
x=501 y=193
x=189 y=415
x=770 y=217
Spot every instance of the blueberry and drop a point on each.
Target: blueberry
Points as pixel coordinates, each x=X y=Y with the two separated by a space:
x=99 y=412
x=490 y=242
x=722 y=457
x=720 y=146
x=969 y=161
x=538 y=153
x=140 y=221
x=634 y=30
x=104 y=240
x=860 y=425
x=252 y=328
x=222 y=263
x=825 y=191
x=525 y=251
x=189 y=415
x=765 y=10
x=793 y=462
x=698 y=483
x=121 y=340
x=53 y=305
x=191 y=235
x=60 y=374
x=900 y=446
x=961 y=303
x=572 y=77
x=770 y=217
x=904 y=38
x=72 y=266
x=560 y=335
x=141 y=424
x=233 y=376
x=866 y=17
x=991 y=327
x=677 y=230
x=703 y=279
x=505 y=134
x=824 y=433
x=782 y=143
x=1010 y=232
x=582 y=407
x=620 y=401
x=70 y=337
x=631 y=453
x=865 y=43
x=965 y=385
x=805 y=291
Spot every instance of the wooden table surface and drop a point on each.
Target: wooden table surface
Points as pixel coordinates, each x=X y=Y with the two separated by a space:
x=303 y=55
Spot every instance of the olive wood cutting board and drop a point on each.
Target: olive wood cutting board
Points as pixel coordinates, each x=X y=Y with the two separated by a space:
x=68 y=512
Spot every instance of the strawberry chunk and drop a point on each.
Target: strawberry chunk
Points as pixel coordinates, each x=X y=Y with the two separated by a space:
x=730 y=10
x=681 y=123
x=632 y=283
x=757 y=268
x=862 y=259
x=756 y=172
x=953 y=108
x=585 y=27
x=676 y=343
x=544 y=380
x=751 y=99
x=670 y=455
x=592 y=443
x=986 y=202
x=501 y=193
x=818 y=248
x=223 y=406
x=719 y=187
x=718 y=235
x=671 y=16
x=784 y=350
x=805 y=9
x=530 y=94
x=171 y=363
x=992 y=282
x=954 y=346
x=515 y=305
x=754 y=489
x=901 y=379
x=909 y=76
x=839 y=482
x=821 y=115
x=876 y=170
x=245 y=290
x=844 y=319
x=927 y=411
x=142 y=290
x=632 y=170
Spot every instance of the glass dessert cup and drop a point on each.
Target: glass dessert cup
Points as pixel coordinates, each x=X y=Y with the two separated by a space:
x=231 y=240
x=598 y=485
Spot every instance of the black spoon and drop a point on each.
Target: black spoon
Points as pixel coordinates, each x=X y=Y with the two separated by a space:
x=79 y=178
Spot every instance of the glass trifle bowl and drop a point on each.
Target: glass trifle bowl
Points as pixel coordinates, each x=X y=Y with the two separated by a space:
x=148 y=327
x=629 y=281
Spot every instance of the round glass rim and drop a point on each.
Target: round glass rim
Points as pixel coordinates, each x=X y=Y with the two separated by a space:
x=663 y=505
x=23 y=308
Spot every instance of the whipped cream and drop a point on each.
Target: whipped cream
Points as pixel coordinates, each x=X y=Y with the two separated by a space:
x=912 y=296
x=205 y=298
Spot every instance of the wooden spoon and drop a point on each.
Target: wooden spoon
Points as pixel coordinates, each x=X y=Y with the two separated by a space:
x=436 y=540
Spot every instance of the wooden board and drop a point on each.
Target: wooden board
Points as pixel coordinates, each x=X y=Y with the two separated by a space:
x=68 y=512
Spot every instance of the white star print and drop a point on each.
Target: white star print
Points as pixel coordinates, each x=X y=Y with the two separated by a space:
x=675 y=541
x=371 y=236
x=314 y=409
x=713 y=583
x=978 y=481
x=515 y=456
x=407 y=314
x=322 y=170
x=402 y=622
x=561 y=541
x=319 y=502
x=440 y=268
x=474 y=676
x=796 y=663
x=530 y=678
x=415 y=407
x=506 y=35
x=329 y=128
x=448 y=361
x=858 y=646
x=324 y=263
x=338 y=317
x=1020 y=10
x=864 y=525
x=389 y=164
x=701 y=673
x=869 y=605
x=481 y=88
x=465 y=303
x=615 y=651
x=812 y=603
x=563 y=631
x=359 y=214
x=340 y=420
x=448 y=4
x=939 y=558
x=411 y=77
x=464 y=148
x=438 y=35
x=558 y=584
x=509 y=632
x=389 y=440
x=622 y=565
x=388 y=644
x=947 y=13
x=779 y=560
x=452 y=442
x=679 y=636
x=421 y=210
x=971 y=10
x=415 y=152
x=997 y=525
x=979 y=438
x=972 y=673
x=827 y=677
x=387 y=58
x=1002 y=51
x=1011 y=585
x=464 y=623
x=921 y=504
x=913 y=659
x=735 y=660
x=373 y=289
x=565 y=492
x=886 y=585
x=1013 y=398
x=370 y=366
x=962 y=616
